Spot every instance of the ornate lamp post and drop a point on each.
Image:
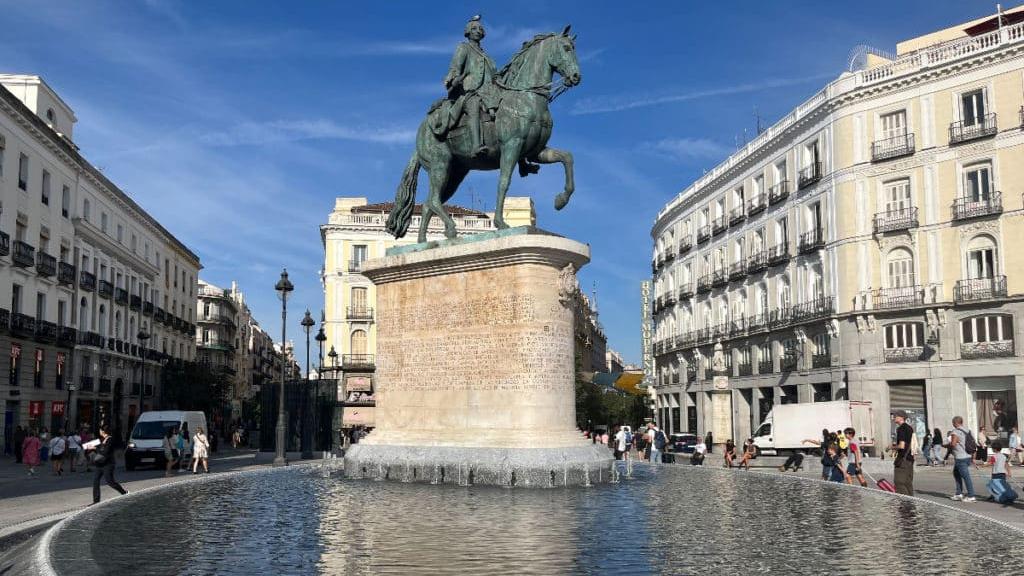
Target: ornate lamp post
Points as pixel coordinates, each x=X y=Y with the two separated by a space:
x=283 y=287
x=320 y=339
x=334 y=373
x=143 y=336
x=307 y=452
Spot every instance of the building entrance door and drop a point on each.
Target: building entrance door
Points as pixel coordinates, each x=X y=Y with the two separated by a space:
x=993 y=404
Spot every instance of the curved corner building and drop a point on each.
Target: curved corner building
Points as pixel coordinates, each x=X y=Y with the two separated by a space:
x=860 y=248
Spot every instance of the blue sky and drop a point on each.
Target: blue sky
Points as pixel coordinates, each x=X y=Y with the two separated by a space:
x=237 y=123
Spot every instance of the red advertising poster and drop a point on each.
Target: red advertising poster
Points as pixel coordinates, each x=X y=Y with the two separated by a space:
x=57 y=409
x=35 y=408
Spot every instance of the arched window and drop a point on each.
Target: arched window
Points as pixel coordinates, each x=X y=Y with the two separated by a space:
x=785 y=295
x=117 y=324
x=739 y=307
x=815 y=283
x=358 y=342
x=761 y=305
x=737 y=251
x=981 y=257
x=83 y=314
x=50 y=116
x=900 y=268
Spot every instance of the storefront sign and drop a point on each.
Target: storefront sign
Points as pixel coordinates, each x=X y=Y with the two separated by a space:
x=35 y=408
x=57 y=409
x=358 y=384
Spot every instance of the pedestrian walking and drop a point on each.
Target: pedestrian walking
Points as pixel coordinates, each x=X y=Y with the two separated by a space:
x=641 y=446
x=620 y=442
x=30 y=448
x=926 y=449
x=1016 y=447
x=963 y=446
x=854 y=465
x=19 y=439
x=171 y=454
x=657 y=441
x=185 y=448
x=44 y=448
x=709 y=442
x=103 y=458
x=58 y=446
x=903 y=462
x=937 y=449
x=74 y=449
x=982 y=452
x=201 y=451
x=730 y=453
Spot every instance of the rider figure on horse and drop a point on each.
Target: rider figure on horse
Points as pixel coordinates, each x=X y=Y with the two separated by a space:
x=470 y=83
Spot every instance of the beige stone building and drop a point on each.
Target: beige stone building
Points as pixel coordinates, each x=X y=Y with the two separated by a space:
x=859 y=248
x=354 y=233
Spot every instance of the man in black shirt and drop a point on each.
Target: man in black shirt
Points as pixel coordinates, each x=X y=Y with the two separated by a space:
x=903 y=463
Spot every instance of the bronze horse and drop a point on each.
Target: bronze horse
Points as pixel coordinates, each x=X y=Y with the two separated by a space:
x=521 y=129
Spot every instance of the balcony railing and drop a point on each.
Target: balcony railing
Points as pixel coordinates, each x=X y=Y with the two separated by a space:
x=160 y=315
x=780 y=318
x=812 y=240
x=684 y=245
x=135 y=302
x=67 y=337
x=980 y=128
x=778 y=254
x=147 y=308
x=66 y=273
x=24 y=254
x=902 y=297
x=5 y=319
x=745 y=369
x=90 y=339
x=718 y=225
x=817 y=308
x=357 y=361
x=120 y=296
x=46 y=331
x=757 y=322
x=778 y=193
x=979 y=350
x=809 y=175
x=719 y=278
x=898 y=219
x=901 y=145
x=685 y=290
x=737 y=327
x=670 y=255
x=703 y=234
x=821 y=360
x=87 y=281
x=737 y=215
x=980 y=289
x=720 y=330
x=964 y=208
x=704 y=283
x=105 y=385
x=912 y=354
x=5 y=244
x=87 y=384
x=23 y=325
x=738 y=271
x=757 y=262
x=788 y=363
x=105 y=289
x=756 y=205
x=46 y=265
x=765 y=367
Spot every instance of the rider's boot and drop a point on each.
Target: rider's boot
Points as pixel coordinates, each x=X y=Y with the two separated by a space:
x=476 y=130
x=526 y=168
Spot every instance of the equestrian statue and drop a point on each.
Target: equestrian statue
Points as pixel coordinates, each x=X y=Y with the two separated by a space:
x=490 y=120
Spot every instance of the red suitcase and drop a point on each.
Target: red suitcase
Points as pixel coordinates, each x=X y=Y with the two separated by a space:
x=884 y=484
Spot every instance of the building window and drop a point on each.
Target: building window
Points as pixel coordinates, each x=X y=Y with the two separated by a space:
x=981 y=260
x=120 y=233
x=65 y=201
x=37 y=373
x=85 y=209
x=46 y=188
x=16 y=299
x=358 y=342
x=900 y=267
x=904 y=335
x=782 y=230
x=897 y=196
x=993 y=328
x=359 y=253
x=206 y=335
x=780 y=172
x=40 y=306
x=785 y=295
x=23 y=172
x=978 y=183
x=51 y=118
x=103 y=221
x=894 y=125
x=821 y=344
x=359 y=299
x=972 y=107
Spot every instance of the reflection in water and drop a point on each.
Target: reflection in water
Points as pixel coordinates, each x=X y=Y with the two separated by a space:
x=669 y=520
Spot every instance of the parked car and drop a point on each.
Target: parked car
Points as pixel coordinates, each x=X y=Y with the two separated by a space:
x=682 y=443
x=146 y=444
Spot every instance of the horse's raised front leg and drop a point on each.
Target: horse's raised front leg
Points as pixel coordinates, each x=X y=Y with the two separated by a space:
x=510 y=151
x=552 y=155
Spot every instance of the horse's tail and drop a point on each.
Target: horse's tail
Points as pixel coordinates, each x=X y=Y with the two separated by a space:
x=405 y=199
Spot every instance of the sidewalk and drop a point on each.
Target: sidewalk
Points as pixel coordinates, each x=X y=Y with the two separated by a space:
x=28 y=502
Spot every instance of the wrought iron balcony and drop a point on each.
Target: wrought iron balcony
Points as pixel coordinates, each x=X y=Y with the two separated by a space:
x=901 y=145
x=719 y=331
x=87 y=384
x=147 y=308
x=670 y=299
x=160 y=315
x=981 y=350
x=46 y=265
x=718 y=225
x=737 y=327
x=685 y=244
x=980 y=289
x=703 y=234
x=813 y=309
x=756 y=205
x=821 y=360
x=737 y=215
x=66 y=273
x=757 y=322
x=811 y=240
x=90 y=339
x=135 y=302
x=778 y=193
x=757 y=262
x=24 y=254
x=965 y=208
x=120 y=296
x=23 y=325
x=738 y=271
x=670 y=255
x=46 y=331
x=169 y=319
x=745 y=369
x=67 y=337
x=895 y=298
x=5 y=319
x=704 y=284
x=900 y=219
x=105 y=386
x=105 y=289
x=691 y=373
x=87 y=281
x=788 y=363
x=765 y=367
x=809 y=175
x=778 y=254
x=912 y=354
x=780 y=318
x=719 y=277
x=685 y=290
x=5 y=244
x=357 y=361
x=980 y=128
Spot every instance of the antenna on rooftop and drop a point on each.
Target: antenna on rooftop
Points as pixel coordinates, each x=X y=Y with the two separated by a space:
x=757 y=121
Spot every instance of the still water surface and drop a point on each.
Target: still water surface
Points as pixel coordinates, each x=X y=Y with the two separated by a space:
x=668 y=520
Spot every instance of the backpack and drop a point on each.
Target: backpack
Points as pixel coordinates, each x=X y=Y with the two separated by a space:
x=659 y=440
x=970 y=444
x=629 y=438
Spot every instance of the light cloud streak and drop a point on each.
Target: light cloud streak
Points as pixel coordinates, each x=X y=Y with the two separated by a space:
x=688 y=149
x=277 y=131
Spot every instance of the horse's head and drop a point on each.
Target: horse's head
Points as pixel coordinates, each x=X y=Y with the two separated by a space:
x=562 y=57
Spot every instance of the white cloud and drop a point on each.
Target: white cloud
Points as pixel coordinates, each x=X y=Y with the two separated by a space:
x=277 y=131
x=686 y=149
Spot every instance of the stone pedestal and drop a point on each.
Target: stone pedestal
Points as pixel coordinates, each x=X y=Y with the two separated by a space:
x=475 y=364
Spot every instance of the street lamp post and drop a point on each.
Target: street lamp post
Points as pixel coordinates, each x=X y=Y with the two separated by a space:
x=320 y=339
x=307 y=452
x=283 y=287
x=143 y=336
x=334 y=372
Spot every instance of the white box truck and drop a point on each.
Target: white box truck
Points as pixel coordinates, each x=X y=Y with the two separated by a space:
x=787 y=426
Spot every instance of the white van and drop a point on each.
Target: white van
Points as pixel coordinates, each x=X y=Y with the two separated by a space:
x=146 y=445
